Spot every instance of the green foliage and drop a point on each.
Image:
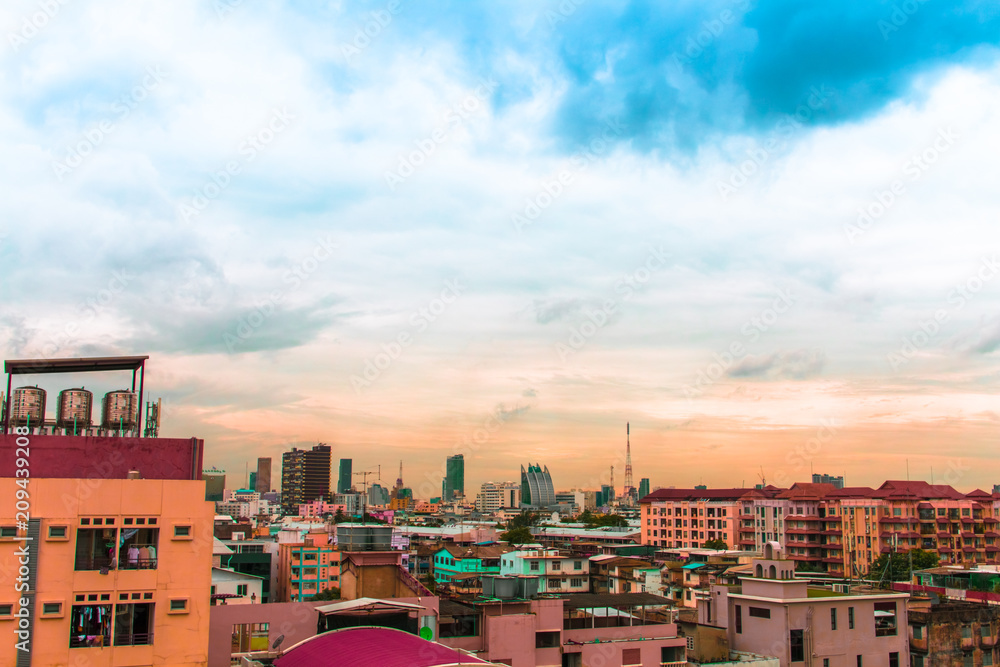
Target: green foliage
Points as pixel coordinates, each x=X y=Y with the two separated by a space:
x=524 y=520
x=332 y=593
x=897 y=566
x=591 y=520
x=518 y=536
x=339 y=516
x=715 y=544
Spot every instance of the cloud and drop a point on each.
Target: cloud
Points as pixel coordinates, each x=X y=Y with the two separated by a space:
x=554 y=310
x=796 y=365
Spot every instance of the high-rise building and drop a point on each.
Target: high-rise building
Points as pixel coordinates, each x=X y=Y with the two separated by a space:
x=292 y=470
x=643 y=487
x=607 y=495
x=493 y=496
x=454 y=481
x=378 y=495
x=838 y=482
x=344 y=480
x=536 y=487
x=252 y=484
x=263 y=475
x=316 y=475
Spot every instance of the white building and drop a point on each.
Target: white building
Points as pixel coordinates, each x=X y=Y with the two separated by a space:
x=231 y=587
x=557 y=573
x=493 y=496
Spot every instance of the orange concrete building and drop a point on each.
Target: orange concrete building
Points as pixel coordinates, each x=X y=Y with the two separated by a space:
x=121 y=567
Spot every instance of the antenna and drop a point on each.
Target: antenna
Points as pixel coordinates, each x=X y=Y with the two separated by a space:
x=612 y=486
x=629 y=489
x=763 y=482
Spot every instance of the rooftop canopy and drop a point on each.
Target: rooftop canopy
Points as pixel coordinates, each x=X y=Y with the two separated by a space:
x=367 y=646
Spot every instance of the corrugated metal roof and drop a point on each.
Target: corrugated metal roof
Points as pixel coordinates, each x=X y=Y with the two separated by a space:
x=368 y=646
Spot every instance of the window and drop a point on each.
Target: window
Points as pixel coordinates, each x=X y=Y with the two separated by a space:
x=534 y=566
x=885 y=620
x=759 y=612
x=631 y=656
x=96 y=548
x=134 y=624
x=241 y=589
x=967 y=660
x=577 y=565
x=51 y=608
x=138 y=548
x=861 y=662
x=547 y=639
x=57 y=532
x=966 y=632
x=987 y=658
x=6 y=609
x=556 y=565
x=182 y=531
x=739 y=619
x=833 y=618
x=8 y=531
x=918 y=660
x=894 y=659
x=576 y=582
x=90 y=625
x=918 y=632
x=178 y=605
x=250 y=637
x=555 y=583
x=985 y=631
x=826 y=662
x=850 y=621
x=796 y=646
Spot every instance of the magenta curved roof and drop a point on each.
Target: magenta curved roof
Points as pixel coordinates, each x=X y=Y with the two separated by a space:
x=368 y=646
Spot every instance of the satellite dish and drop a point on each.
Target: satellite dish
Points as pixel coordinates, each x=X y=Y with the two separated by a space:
x=277 y=642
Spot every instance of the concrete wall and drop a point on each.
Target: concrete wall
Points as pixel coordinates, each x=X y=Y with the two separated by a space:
x=184 y=568
x=68 y=457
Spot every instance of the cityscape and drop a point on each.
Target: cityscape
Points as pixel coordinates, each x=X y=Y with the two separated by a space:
x=561 y=333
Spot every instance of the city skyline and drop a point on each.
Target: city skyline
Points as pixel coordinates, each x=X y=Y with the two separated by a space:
x=507 y=231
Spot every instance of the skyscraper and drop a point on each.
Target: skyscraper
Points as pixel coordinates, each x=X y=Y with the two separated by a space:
x=305 y=476
x=454 y=481
x=536 y=487
x=643 y=487
x=263 y=475
x=292 y=469
x=344 y=480
x=316 y=475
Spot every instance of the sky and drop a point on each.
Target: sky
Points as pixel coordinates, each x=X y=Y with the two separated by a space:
x=761 y=233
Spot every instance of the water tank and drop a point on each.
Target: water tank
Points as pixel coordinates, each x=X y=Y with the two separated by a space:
x=366 y=537
x=505 y=588
x=119 y=411
x=27 y=406
x=75 y=407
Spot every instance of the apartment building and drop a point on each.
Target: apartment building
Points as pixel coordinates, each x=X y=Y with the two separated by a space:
x=118 y=545
x=829 y=529
x=307 y=568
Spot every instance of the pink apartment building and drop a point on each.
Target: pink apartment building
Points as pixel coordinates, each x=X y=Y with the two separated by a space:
x=772 y=613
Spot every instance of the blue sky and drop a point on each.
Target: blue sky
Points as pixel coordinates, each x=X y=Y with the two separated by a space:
x=412 y=229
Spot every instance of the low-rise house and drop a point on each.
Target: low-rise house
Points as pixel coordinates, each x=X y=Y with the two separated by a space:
x=953 y=632
x=558 y=572
x=773 y=613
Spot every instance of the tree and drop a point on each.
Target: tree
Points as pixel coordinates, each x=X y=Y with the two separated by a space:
x=897 y=566
x=339 y=516
x=524 y=520
x=518 y=536
x=715 y=544
x=332 y=593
